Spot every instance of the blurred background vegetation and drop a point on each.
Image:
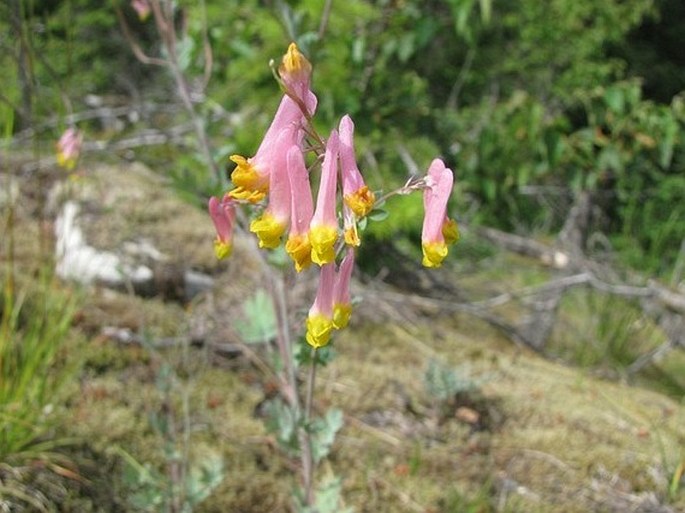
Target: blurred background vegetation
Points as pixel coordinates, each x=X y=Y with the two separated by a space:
x=530 y=102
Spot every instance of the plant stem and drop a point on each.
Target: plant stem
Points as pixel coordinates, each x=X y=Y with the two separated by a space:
x=287 y=380
x=307 y=456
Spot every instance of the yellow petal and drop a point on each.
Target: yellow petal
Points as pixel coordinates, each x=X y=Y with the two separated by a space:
x=300 y=250
x=361 y=201
x=294 y=62
x=322 y=239
x=319 y=329
x=250 y=185
x=268 y=229
x=434 y=253
x=341 y=315
x=222 y=249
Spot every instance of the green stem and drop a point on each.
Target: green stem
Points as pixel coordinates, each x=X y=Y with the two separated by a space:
x=307 y=456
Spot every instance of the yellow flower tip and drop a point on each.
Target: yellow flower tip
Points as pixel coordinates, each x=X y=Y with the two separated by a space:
x=361 y=201
x=268 y=229
x=250 y=185
x=300 y=250
x=222 y=249
x=450 y=231
x=322 y=239
x=434 y=253
x=319 y=329
x=65 y=162
x=341 y=315
x=239 y=193
x=294 y=62
x=352 y=236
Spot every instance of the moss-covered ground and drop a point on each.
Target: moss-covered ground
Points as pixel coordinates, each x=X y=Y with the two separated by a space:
x=568 y=433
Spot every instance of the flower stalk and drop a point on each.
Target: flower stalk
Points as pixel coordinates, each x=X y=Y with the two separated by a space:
x=276 y=183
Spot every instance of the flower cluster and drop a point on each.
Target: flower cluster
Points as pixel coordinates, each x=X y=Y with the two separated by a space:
x=277 y=178
x=69 y=148
x=142 y=8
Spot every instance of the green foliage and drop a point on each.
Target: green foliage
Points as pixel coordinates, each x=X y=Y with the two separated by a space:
x=304 y=355
x=443 y=383
x=328 y=499
x=283 y=422
x=34 y=336
x=323 y=431
x=260 y=319
x=495 y=87
x=152 y=491
x=190 y=473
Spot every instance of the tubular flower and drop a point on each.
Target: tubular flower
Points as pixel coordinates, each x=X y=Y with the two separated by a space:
x=142 y=8
x=323 y=229
x=295 y=72
x=356 y=194
x=301 y=210
x=251 y=175
x=271 y=225
x=342 y=306
x=69 y=148
x=223 y=215
x=320 y=319
x=438 y=230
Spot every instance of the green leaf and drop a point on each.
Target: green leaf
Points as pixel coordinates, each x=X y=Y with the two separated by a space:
x=303 y=353
x=185 y=49
x=282 y=422
x=323 y=433
x=443 y=382
x=260 y=325
x=486 y=10
x=490 y=189
x=609 y=158
x=328 y=497
x=667 y=142
x=205 y=475
x=378 y=215
x=615 y=99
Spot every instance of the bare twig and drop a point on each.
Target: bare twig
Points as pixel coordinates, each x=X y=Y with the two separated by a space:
x=325 y=15
x=135 y=47
x=461 y=79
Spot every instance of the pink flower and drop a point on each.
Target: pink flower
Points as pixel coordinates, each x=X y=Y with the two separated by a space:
x=271 y=225
x=302 y=208
x=355 y=192
x=142 y=7
x=251 y=176
x=223 y=215
x=320 y=319
x=342 y=305
x=438 y=230
x=69 y=148
x=357 y=198
x=295 y=72
x=323 y=229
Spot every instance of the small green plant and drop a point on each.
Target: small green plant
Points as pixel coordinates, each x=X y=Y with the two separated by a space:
x=443 y=382
x=34 y=335
x=187 y=478
x=154 y=491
